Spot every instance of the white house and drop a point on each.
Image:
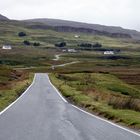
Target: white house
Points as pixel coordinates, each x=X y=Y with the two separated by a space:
x=64 y=50
x=72 y=51
x=108 y=52
x=7 y=47
x=77 y=36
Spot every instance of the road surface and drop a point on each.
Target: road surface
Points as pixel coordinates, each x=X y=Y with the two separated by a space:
x=41 y=114
x=62 y=65
x=57 y=57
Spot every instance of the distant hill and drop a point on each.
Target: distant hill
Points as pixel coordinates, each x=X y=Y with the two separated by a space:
x=77 y=27
x=3 y=17
x=72 y=26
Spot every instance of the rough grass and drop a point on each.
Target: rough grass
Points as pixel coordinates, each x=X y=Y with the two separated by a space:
x=93 y=86
x=40 y=56
x=8 y=96
x=94 y=96
x=12 y=85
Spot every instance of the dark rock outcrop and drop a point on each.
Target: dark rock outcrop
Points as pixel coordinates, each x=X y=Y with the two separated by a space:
x=3 y=17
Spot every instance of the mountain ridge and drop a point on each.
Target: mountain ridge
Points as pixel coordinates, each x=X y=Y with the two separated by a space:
x=3 y=17
x=78 y=27
x=66 y=25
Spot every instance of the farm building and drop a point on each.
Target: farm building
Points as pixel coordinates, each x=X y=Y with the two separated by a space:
x=77 y=36
x=108 y=52
x=64 y=50
x=7 y=47
x=72 y=50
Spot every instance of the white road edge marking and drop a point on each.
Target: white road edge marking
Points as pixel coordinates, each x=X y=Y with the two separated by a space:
x=19 y=97
x=62 y=65
x=57 y=90
x=92 y=114
x=71 y=104
x=106 y=121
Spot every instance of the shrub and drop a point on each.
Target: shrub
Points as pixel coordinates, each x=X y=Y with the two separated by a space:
x=61 y=44
x=26 y=42
x=21 y=34
x=36 y=44
x=89 y=45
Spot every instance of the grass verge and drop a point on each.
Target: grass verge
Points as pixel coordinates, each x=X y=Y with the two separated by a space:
x=7 y=96
x=94 y=102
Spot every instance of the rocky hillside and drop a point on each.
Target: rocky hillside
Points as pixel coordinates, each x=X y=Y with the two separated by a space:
x=3 y=17
x=78 y=27
x=71 y=26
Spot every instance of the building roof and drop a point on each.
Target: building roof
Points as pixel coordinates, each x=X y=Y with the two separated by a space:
x=8 y=47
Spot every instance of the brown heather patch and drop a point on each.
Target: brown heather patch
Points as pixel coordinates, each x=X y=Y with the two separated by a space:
x=133 y=79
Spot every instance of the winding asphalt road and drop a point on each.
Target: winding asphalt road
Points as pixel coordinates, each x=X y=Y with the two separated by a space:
x=41 y=114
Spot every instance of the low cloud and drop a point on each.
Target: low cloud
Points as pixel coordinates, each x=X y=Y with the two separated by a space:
x=123 y=13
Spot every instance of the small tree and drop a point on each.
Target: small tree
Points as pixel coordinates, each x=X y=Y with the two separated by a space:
x=61 y=44
x=36 y=44
x=26 y=42
x=21 y=34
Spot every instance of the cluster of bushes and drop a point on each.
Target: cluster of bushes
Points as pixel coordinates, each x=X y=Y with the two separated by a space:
x=61 y=44
x=28 y=43
x=21 y=34
x=89 y=45
x=82 y=45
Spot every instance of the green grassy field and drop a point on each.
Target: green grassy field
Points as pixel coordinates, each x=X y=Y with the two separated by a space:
x=108 y=85
x=12 y=85
x=104 y=94
x=39 y=56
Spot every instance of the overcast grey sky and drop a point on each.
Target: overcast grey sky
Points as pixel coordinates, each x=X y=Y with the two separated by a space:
x=125 y=13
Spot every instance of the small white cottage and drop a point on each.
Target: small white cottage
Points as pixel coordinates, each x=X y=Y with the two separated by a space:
x=72 y=50
x=108 y=52
x=77 y=36
x=64 y=50
x=7 y=47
